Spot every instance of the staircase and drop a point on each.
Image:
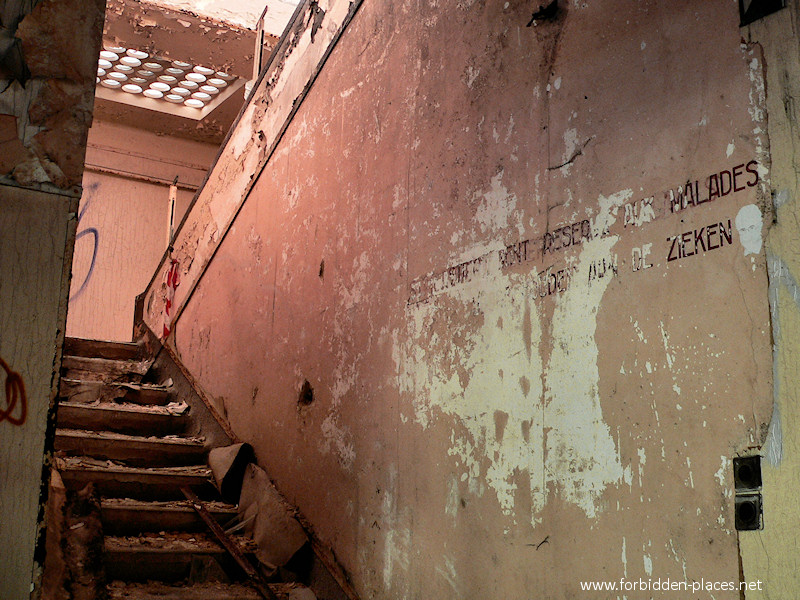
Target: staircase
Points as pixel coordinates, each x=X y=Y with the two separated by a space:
x=132 y=441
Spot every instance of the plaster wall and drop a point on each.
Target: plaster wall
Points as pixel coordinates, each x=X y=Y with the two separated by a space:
x=48 y=57
x=124 y=220
x=522 y=270
x=40 y=227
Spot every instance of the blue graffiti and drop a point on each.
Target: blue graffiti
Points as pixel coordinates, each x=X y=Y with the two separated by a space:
x=91 y=189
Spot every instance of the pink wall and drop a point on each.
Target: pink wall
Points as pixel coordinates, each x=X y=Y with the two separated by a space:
x=520 y=381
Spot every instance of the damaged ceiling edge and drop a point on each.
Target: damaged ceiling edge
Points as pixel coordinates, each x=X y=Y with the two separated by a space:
x=174 y=34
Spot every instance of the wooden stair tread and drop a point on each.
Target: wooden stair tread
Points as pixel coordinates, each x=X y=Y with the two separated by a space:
x=172 y=543
x=102 y=348
x=114 y=479
x=126 y=516
x=119 y=590
x=75 y=464
x=133 y=449
x=155 y=441
x=105 y=364
x=176 y=409
x=83 y=390
x=103 y=369
x=122 y=417
x=166 y=505
x=167 y=557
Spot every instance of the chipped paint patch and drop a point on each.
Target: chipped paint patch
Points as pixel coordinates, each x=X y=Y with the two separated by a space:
x=497 y=350
x=624 y=557
x=648 y=564
x=581 y=454
x=448 y=572
x=340 y=439
x=451 y=508
x=397 y=542
x=456 y=382
x=497 y=205
x=721 y=474
x=498 y=347
x=571 y=146
x=748 y=224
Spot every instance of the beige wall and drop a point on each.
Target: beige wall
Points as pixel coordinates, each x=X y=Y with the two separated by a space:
x=36 y=233
x=532 y=361
x=770 y=553
x=124 y=212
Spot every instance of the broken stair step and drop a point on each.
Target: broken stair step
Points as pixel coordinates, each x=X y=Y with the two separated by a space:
x=125 y=516
x=117 y=480
x=81 y=390
x=121 y=419
x=103 y=369
x=165 y=557
x=102 y=349
x=132 y=449
x=119 y=590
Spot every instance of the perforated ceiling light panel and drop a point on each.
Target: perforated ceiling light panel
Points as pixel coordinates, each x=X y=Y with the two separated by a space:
x=136 y=78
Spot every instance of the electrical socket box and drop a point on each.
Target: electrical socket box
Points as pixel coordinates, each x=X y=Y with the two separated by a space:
x=748 y=512
x=747 y=473
x=747 y=483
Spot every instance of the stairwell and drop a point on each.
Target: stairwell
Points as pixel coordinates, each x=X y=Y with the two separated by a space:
x=135 y=445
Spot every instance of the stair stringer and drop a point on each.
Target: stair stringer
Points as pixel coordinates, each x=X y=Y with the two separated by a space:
x=325 y=572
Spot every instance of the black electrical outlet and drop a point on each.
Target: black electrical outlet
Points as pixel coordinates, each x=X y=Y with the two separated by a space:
x=748 y=512
x=747 y=473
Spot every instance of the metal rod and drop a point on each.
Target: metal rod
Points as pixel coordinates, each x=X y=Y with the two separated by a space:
x=173 y=196
x=138 y=177
x=230 y=545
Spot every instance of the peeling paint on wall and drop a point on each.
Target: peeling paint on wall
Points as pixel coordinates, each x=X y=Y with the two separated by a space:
x=749 y=224
x=536 y=357
x=46 y=103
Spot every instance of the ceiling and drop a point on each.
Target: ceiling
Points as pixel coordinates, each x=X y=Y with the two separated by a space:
x=244 y=13
x=168 y=34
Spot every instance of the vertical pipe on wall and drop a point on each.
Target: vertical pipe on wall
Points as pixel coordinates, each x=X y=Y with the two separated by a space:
x=173 y=197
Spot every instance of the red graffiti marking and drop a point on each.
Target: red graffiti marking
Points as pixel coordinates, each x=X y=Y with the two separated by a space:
x=173 y=279
x=15 y=392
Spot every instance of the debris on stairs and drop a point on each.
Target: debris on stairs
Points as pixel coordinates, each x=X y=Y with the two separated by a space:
x=138 y=508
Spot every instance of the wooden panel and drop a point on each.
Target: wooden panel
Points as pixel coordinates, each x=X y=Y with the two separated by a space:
x=34 y=230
